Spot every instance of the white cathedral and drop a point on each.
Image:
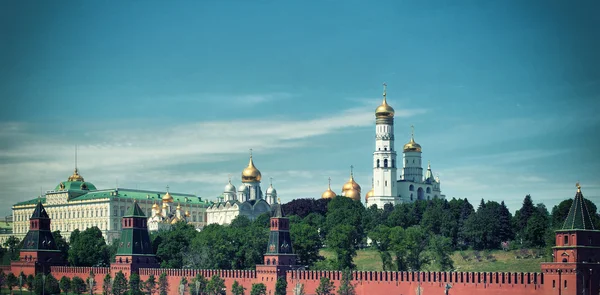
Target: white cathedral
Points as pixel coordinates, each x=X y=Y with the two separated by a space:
x=387 y=188
x=248 y=200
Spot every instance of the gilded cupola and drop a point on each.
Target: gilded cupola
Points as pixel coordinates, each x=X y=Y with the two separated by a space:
x=352 y=194
x=167 y=198
x=384 y=110
x=412 y=146
x=76 y=176
x=328 y=194
x=155 y=206
x=251 y=173
x=372 y=191
x=351 y=184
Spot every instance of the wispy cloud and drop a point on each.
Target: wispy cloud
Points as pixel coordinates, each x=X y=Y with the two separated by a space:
x=145 y=152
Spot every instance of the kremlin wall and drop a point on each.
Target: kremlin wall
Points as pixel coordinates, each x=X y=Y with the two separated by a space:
x=575 y=269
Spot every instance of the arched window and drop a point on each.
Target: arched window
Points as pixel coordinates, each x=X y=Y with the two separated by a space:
x=385 y=163
x=411 y=188
x=566 y=240
x=429 y=190
x=268 y=261
x=420 y=194
x=377 y=163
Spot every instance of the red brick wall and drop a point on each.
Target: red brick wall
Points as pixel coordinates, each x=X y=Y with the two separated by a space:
x=82 y=272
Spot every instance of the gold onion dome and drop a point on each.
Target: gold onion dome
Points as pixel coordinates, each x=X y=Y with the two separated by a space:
x=155 y=206
x=352 y=194
x=351 y=184
x=328 y=194
x=250 y=173
x=76 y=176
x=187 y=213
x=167 y=198
x=178 y=206
x=412 y=146
x=384 y=110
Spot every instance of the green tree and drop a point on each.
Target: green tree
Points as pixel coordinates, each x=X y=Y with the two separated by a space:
x=30 y=283
x=107 y=284
x=38 y=284
x=88 y=248
x=120 y=285
x=215 y=286
x=22 y=281
x=172 y=242
x=78 y=285
x=65 y=284
x=163 y=284
x=398 y=247
x=416 y=240
x=134 y=284
x=537 y=227
x=440 y=249
x=340 y=240
x=11 y=281
x=52 y=285
x=346 y=287
x=325 y=287
x=12 y=244
x=380 y=236
x=2 y=278
x=237 y=289
x=198 y=284
x=258 y=289
x=307 y=243
x=281 y=286
x=61 y=244
x=299 y=289
x=150 y=285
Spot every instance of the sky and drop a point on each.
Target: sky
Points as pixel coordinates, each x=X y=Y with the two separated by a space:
x=504 y=95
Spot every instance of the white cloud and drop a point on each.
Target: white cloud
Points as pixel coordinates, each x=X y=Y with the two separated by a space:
x=145 y=153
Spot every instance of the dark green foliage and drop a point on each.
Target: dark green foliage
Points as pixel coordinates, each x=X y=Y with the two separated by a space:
x=440 y=249
x=11 y=281
x=280 y=286
x=304 y=207
x=77 y=285
x=198 y=284
x=120 y=285
x=107 y=284
x=61 y=244
x=150 y=285
x=29 y=282
x=237 y=289
x=38 y=284
x=13 y=245
x=306 y=243
x=65 y=284
x=174 y=243
x=258 y=289
x=346 y=287
x=341 y=239
x=52 y=285
x=215 y=286
x=325 y=287
x=88 y=248
x=134 y=284
x=488 y=227
x=163 y=284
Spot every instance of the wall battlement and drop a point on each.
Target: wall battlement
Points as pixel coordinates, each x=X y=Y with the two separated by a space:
x=513 y=278
x=207 y=273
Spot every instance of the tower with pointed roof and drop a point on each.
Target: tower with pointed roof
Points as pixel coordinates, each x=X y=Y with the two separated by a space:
x=39 y=250
x=576 y=257
x=279 y=257
x=135 y=249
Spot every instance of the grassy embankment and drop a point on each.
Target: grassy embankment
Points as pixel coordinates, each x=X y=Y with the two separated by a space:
x=492 y=261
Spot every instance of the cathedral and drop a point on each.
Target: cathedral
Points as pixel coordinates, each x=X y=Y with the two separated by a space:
x=387 y=187
x=247 y=200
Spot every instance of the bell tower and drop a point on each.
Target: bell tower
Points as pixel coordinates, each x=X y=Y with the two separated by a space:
x=576 y=257
x=384 y=156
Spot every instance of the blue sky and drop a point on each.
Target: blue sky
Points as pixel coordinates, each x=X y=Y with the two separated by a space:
x=504 y=95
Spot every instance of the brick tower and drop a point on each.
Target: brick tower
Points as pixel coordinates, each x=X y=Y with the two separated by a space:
x=39 y=250
x=135 y=250
x=279 y=257
x=576 y=265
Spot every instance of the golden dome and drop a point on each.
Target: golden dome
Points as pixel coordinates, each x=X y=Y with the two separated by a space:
x=328 y=194
x=352 y=194
x=167 y=198
x=155 y=206
x=369 y=194
x=412 y=146
x=75 y=176
x=178 y=206
x=384 y=110
x=175 y=220
x=351 y=184
x=250 y=173
x=187 y=213
x=165 y=205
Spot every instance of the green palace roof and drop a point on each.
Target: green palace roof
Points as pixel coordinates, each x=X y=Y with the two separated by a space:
x=126 y=194
x=579 y=216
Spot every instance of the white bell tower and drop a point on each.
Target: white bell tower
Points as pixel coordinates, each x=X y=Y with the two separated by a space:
x=384 y=157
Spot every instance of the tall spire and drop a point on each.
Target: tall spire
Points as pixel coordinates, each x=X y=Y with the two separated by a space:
x=329 y=179
x=384 y=93
x=351 y=172
x=412 y=133
x=579 y=216
x=75 y=158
